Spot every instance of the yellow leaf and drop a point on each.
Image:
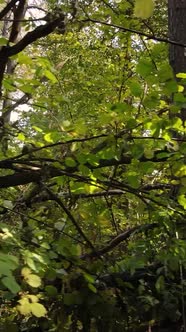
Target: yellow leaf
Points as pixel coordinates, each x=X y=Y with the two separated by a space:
x=182 y=200
x=143 y=8
x=24 y=309
x=24 y=306
x=21 y=137
x=38 y=310
x=181 y=75
x=25 y=271
x=48 y=138
x=33 y=280
x=180 y=88
x=32 y=298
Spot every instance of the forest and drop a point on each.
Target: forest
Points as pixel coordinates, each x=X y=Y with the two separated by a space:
x=92 y=165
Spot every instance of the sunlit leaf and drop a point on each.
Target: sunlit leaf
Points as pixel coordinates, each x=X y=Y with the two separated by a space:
x=143 y=8
x=25 y=271
x=50 y=76
x=33 y=280
x=38 y=310
x=21 y=137
x=182 y=200
x=24 y=308
x=48 y=138
x=23 y=58
x=181 y=75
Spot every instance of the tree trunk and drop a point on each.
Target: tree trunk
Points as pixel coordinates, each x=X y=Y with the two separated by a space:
x=177 y=32
x=177 y=59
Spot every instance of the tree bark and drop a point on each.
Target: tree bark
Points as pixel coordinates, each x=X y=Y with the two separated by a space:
x=177 y=32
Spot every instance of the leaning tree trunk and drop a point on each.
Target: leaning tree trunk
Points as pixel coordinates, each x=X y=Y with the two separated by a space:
x=177 y=32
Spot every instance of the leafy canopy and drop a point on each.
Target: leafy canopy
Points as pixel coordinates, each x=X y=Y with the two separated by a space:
x=92 y=168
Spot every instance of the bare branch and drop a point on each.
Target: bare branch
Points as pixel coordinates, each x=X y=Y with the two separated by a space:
x=7 y=8
x=74 y=222
x=29 y=38
x=32 y=36
x=120 y=238
x=18 y=15
x=140 y=33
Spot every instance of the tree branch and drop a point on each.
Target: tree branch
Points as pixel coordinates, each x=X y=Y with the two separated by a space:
x=120 y=238
x=74 y=222
x=16 y=26
x=32 y=174
x=32 y=36
x=29 y=38
x=140 y=33
x=7 y=8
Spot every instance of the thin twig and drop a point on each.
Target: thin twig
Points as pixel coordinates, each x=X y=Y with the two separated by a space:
x=74 y=222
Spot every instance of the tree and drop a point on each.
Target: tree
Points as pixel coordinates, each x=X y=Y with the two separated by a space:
x=93 y=167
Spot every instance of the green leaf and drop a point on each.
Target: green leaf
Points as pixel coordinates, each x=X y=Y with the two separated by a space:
x=170 y=87
x=73 y=298
x=131 y=123
x=5 y=268
x=89 y=278
x=145 y=67
x=165 y=73
x=160 y=284
x=24 y=59
x=8 y=84
x=179 y=97
x=82 y=158
x=8 y=204
x=84 y=170
x=51 y=290
x=92 y=288
x=137 y=150
x=11 y=260
x=59 y=225
x=143 y=8
x=11 y=284
x=78 y=187
x=147 y=167
x=135 y=88
x=134 y=181
x=3 y=41
x=50 y=76
x=183 y=148
x=52 y=137
x=27 y=88
x=70 y=162
x=36 y=128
